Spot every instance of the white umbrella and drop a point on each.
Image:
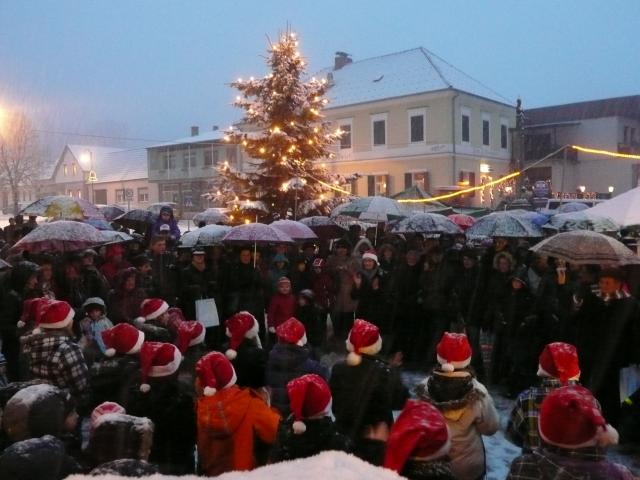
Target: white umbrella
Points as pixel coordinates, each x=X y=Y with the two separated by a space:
x=623 y=209
x=205 y=236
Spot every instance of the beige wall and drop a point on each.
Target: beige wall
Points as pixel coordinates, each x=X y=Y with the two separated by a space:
x=137 y=202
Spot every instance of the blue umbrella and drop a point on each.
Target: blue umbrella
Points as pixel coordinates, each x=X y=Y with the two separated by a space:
x=538 y=219
x=572 y=207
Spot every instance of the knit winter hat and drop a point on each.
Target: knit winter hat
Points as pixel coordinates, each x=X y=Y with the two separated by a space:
x=190 y=333
x=57 y=314
x=215 y=372
x=454 y=352
x=309 y=396
x=152 y=308
x=103 y=409
x=292 y=331
x=32 y=311
x=364 y=337
x=122 y=339
x=157 y=360
x=559 y=360
x=240 y=326
x=282 y=280
x=570 y=418
x=371 y=255
x=419 y=432
x=96 y=302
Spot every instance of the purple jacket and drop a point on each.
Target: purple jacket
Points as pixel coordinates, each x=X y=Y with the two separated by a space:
x=173 y=225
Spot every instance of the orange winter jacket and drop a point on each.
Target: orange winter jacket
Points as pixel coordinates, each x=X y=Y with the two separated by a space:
x=228 y=422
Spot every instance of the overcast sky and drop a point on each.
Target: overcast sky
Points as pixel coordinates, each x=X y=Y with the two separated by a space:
x=151 y=68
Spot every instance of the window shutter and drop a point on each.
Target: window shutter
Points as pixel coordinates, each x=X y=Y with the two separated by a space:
x=407 y=180
x=427 y=182
x=371 y=185
x=472 y=179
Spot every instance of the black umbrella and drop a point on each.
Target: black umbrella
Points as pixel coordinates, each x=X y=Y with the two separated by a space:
x=136 y=219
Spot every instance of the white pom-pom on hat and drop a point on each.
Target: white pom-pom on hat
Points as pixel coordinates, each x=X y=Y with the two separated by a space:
x=110 y=352
x=447 y=367
x=139 y=320
x=21 y=324
x=354 y=359
x=209 y=391
x=37 y=330
x=299 y=427
x=231 y=354
x=607 y=436
x=145 y=387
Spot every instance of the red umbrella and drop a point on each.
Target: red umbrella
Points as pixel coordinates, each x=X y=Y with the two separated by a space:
x=462 y=220
x=296 y=230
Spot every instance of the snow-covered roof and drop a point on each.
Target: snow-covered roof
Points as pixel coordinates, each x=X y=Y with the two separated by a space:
x=112 y=164
x=210 y=136
x=400 y=74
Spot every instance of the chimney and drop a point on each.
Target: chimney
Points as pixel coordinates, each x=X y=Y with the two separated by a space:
x=342 y=59
x=195 y=131
x=215 y=128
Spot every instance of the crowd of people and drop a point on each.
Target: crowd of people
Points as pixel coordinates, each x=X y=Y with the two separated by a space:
x=106 y=368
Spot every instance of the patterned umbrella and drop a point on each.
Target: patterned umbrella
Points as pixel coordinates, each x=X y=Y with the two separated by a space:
x=256 y=233
x=538 y=219
x=427 y=223
x=136 y=219
x=377 y=209
x=209 y=216
x=205 y=236
x=59 y=237
x=111 y=236
x=110 y=212
x=62 y=207
x=296 y=230
x=581 y=220
x=324 y=227
x=584 y=247
x=572 y=207
x=503 y=224
x=462 y=220
x=99 y=223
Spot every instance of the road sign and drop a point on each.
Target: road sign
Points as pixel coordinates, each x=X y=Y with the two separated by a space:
x=128 y=194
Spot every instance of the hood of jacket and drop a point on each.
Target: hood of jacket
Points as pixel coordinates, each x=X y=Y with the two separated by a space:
x=280 y=257
x=21 y=273
x=287 y=357
x=450 y=395
x=223 y=413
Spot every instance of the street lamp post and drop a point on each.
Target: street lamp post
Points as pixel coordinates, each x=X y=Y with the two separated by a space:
x=92 y=177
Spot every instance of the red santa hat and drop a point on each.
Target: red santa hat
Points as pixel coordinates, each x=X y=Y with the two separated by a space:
x=123 y=339
x=32 y=311
x=151 y=308
x=215 y=372
x=309 y=396
x=454 y=351
x=190 y=333
x=157 y=359
x=240 y=326
x=371 y=255
x=559 y=360
x=364 y=337
x=292 y=331
x=420 y=432
x=103 y=409
x=56 y=314
x=570 y=418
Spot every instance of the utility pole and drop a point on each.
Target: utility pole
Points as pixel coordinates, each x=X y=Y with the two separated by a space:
x=519 y=156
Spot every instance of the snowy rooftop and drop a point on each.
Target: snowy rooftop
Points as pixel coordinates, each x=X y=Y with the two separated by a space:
x=400 y=74
x=212 y=135
x=112 y=164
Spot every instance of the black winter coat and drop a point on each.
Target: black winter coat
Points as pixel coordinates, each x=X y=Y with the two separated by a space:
x=433 y=470
x=315 y=324
x=321 y=435
x=163 y=277
x=113 y=379
x=246 y=290
x=286 y=362
x=250 y=365
x=372 y=303
x=195 y=285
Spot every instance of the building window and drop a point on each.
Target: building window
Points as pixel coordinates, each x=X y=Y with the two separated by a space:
x=169 y=161
x=417 y=125
x=378 y=184
x=345 y=137
x=143 y=194
x=211 y=157
x=231 y=154
x=625 y=135
x=120 y=195
x=466 y=115
x=75 y=169
x=379 y=129
x=188 y=160
x=79 y=193
x=170 y=193
x=420 y=179
x=486 y=130
x=504 y=136
x=100 y=196
x=65 y=169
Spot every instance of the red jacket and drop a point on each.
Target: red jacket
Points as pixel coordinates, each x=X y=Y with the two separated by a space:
x=281 y=308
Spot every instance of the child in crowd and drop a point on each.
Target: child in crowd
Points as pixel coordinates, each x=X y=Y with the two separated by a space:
x=156 y=322
x=245 y=351
x=313 y=319
x=281 y=307
x=91 y=327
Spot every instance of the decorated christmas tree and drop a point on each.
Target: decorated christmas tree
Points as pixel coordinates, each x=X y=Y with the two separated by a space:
x=284 y=134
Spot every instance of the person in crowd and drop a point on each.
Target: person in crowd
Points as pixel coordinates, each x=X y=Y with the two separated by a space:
x=574 y=438
x=163 y=272
x=342 y=267
x=323 y=286
x=246 y=289
x=125 y=467
x=313 y=319
x=46 y=282
x=143 y=266
x=43 y=457
x=190 y=342
x=245 y=350
x=366 y=390
x=156 y=322
x=279 y=269
x=93 y=282
x=289 y=359
x=230 y=419
x=126 y=297
x=166 y=217
x=53 y=354
x=465 y=287
x=300 y=275
x=465 y=403
x=11 y=231
x=282 y=306
x=197 y=283
x=557 y=366
x=22 y=285
x=91 y=327
x=114 y=262
x=309 y=429
x=607 y=339
x=419 y=443
x=369 y=290
x=387 y=259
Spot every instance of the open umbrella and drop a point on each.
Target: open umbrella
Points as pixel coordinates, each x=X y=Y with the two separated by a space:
x=62 y=207
x=99 y=223
x=256 y=233
x=110 y=212
x=59 y=237
x=205 y=236
x=538 y=219
x=426 y=223
x=462 y=220
x=296 y=230
x=584 y=247
x=324 y=227
x=4 y=265
x=572 y=207
x=503 y=224
x=377 y=209
x=111 y=236
x=623 y=209
x=211 y=215
x=581 y=220
x=136 y=219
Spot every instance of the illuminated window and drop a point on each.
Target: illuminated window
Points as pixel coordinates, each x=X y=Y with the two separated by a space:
x=75 y=169
x=382 y=187
x=345 y=138
x=66 y=170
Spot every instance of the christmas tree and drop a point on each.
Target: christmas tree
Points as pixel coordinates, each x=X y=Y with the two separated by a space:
x=284 y=134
